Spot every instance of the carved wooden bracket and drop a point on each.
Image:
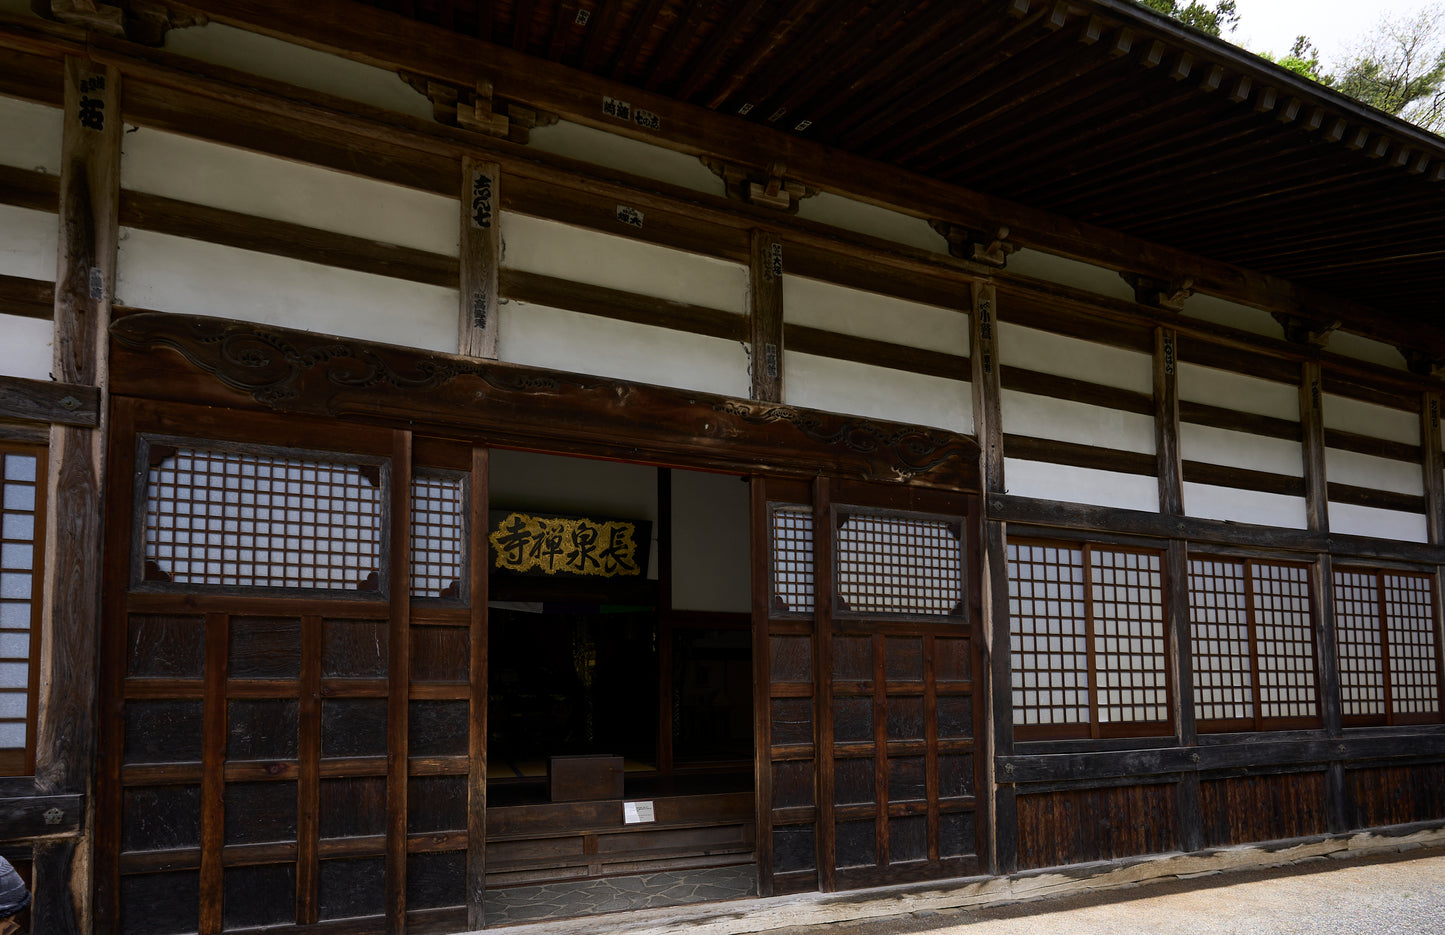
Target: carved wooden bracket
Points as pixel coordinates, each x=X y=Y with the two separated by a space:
x=477 y=108
x=967 y=243
x=1158 y=293
x=1423 y=363
x=142 y=21
x=1309 y=331
x=760 y=187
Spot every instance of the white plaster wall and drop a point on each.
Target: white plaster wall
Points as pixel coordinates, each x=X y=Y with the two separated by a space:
x=874 y=221
x=294 y=64
x=535 y=245
x=32 y=135
x=710 y=521
x=1382 y=524
x=1232 y=314
x=1362 y=418
x=25 y=347
x=1362 y=348
x=1207 y=501
x=1239 y=392
x=625 y=154
x=1361 y=470
x=1081 y=485
x=524 y=480
x=28 y=243
x=1080 y=423
x=218 y=176
x=541 y=336
x=174 y=274
x=819 y=304
x=1073 y=273
x=1046 y=352
x=1241 y=449
x=877 y=392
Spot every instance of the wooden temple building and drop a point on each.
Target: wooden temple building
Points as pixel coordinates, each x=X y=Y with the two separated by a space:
x=467 y=462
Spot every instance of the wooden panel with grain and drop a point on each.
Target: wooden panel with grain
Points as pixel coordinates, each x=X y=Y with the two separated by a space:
x=1248 y=809
x=1078 y=826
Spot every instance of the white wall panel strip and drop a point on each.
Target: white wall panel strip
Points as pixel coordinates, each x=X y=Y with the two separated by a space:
x=877 y=392
x=174 y=274
x=1207 y=501
x=1046 y=352
x=869 y=219
x=28 y=243
x=26 y=347
x=294 y=64
x=1362 y=418
x=1362 y=348
x=31 y=139
x=1241 y=449
x=1067 y=421
x=1233 y=315
x=1354 y=520
x=619 y=152
x=824 y=305
x=1081 y=485
x=1073 y=273
x=218 y=176
x=1360 y=470
x=540 y=336
x=1239 y=392
x=710 y=548
x=535 y=245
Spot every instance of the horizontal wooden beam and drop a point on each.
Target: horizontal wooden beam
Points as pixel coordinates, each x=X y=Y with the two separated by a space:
x=621 y=306
x=1233 y=420
x=1045 y=514
x=43 y=401
x=40 y=816
x=832 y=344
x=1078 y=391
x=1377 y=499
x=280 y=238
x=1221 y=475
x=1073 y=454
x=26 y=188
x=1208 y=757
x=28 y=298
x=393 y=42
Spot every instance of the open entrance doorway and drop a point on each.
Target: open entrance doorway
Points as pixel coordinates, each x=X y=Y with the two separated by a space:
x=619 y=668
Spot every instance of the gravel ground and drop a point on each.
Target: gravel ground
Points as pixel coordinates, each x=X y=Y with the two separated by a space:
x=1400 y=894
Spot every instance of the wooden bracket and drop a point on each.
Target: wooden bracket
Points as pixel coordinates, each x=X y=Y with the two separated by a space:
x=142 y=21
x=477 y=108
x=768 y=186
x=1300 y=330
x=1423 y=363
x=1169 y=295
x=967 y=243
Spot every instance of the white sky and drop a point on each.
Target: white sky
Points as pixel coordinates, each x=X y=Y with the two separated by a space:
x=1334 y=26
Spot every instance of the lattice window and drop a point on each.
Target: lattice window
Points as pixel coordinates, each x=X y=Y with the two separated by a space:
x=263 y=519
x=438 y=535
x=1252 y=642
x=794 y=589
x=1390 y=663
x=1089 y=640
x=1219 y=641
x=22 y=490
x=1049 y=635
x=899 y=565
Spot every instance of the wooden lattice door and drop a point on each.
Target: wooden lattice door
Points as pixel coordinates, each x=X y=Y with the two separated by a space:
x=866 y=655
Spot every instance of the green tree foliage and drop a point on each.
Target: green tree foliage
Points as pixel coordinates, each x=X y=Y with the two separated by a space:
x=1304 y=59
x=1209 y=19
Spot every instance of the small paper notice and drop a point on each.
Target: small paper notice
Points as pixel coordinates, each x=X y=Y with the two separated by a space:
x=637 y=812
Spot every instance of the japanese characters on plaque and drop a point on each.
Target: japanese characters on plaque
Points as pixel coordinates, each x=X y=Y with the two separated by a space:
x=566 y=546
x=92 y=109
x=629 y=216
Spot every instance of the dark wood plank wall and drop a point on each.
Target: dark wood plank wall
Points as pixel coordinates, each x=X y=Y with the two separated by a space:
x=1029 y=795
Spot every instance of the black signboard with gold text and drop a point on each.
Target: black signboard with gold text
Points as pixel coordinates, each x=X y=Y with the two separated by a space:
x=552 y=546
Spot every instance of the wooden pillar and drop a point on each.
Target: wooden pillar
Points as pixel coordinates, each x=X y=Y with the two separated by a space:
x=765 y=315
x=398 y=673
x=481 y=256
x=1166 y=421
x=1337 y=799
x=477 y=736
x=1431 y=461
x=84 y=287
x=1188 y=803
x=994 y=628
x=1312 y=425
